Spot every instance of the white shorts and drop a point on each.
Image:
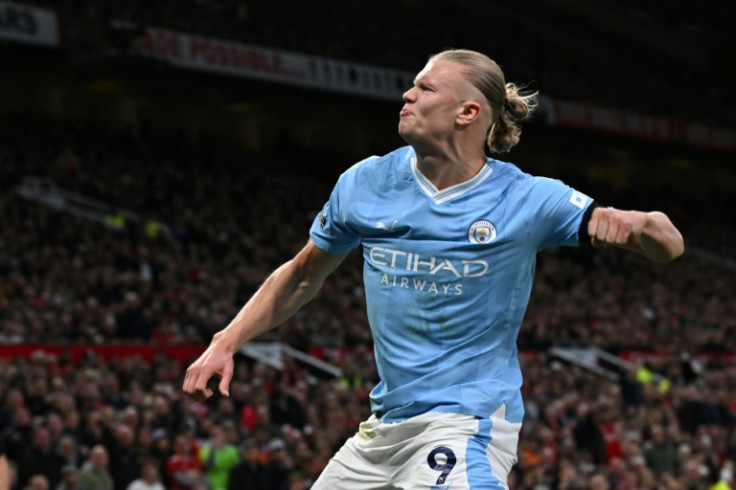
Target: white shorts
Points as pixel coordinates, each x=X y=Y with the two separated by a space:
x=431 y=451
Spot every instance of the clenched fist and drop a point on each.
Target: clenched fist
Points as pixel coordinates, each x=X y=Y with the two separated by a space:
x=608 y=226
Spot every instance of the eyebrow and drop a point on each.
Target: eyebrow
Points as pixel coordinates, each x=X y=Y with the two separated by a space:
x=423 y=80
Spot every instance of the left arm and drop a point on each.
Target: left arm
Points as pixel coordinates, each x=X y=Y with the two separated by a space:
x=650 y=234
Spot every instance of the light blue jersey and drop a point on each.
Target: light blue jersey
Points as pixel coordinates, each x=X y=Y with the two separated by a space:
x=447 y=277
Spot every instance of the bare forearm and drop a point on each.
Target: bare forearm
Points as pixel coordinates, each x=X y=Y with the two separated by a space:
x=660 y=241
x=650 y=234
x=277 y=300
x=289 y=288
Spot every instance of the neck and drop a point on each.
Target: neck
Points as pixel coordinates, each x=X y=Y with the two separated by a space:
x=447 y=168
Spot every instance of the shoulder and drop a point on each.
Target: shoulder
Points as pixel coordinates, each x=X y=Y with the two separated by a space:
x=507 y=171
x=510 y=177
x=384 y=163
x=517 y=177
x=534 y=192
x=376 y=170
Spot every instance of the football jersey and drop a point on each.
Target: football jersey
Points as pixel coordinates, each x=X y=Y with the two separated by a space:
x=447 y=275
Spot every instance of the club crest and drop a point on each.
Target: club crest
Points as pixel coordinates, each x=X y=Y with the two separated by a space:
x=482 y=232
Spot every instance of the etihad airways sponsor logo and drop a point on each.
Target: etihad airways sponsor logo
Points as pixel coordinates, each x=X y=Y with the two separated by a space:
x=431 y=287
x=399 y=259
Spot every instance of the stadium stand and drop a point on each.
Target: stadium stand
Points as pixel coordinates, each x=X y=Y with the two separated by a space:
x=72 y=280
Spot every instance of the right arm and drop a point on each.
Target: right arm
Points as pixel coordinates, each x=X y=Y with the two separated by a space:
x=286 y=290
x=649 y=234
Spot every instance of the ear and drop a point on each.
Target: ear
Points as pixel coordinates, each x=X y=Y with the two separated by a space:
x=469 y=112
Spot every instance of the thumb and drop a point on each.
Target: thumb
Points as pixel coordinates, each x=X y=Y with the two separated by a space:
x=598 y=243
x=224 y=385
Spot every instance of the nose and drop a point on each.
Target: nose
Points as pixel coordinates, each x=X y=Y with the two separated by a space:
x=409 y=95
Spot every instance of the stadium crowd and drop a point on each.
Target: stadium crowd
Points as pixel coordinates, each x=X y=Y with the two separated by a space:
x=212 y=221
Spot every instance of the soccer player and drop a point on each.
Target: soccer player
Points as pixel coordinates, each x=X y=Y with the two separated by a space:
x=449 y=239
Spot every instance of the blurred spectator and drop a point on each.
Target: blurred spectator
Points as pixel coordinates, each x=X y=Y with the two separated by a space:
x=40 y=459
x=125 y=454
x=38 y=482
x=149 y=479
x=183 y=466
x=661 y=455
x=14 y=399
x=95 y=473
x=66 y=448
x=280 y=464
x=218 y=458
x=131 y=321
x=249 y=474
x=286 y=409
x=69 y=478
x=18 y=435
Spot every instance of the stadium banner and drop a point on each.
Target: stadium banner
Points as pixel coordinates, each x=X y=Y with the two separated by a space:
x=230 y=58
x=624 y=123
x=272 y=65
x=29 y=25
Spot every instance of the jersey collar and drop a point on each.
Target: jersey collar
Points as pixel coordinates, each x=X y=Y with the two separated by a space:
x=457 y=190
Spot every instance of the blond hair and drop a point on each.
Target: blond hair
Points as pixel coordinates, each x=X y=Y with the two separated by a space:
x=509 y=107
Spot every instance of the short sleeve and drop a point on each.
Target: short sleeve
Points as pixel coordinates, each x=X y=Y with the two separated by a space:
x=330 y=231
x=559 y=213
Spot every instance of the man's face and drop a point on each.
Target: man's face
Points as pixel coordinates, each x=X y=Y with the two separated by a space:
x=217 y=436
x=252 y=454
x=42 y=440
x=99 y=458
x=433 y=104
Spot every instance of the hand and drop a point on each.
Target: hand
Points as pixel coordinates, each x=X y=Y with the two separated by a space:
x=615 y=227
x=215 y=361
